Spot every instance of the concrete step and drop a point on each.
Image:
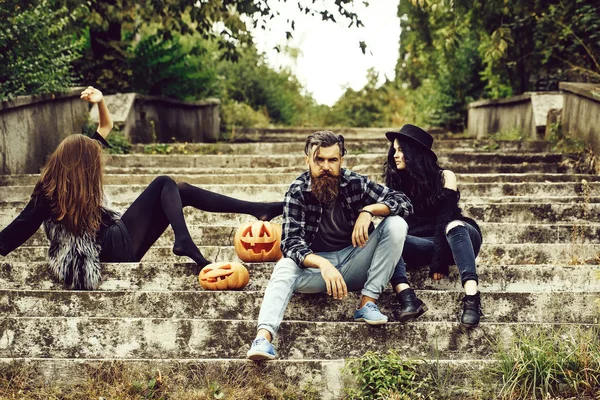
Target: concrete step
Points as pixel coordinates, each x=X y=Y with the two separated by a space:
x=129 y=192
x=294 y=160
x=167 y=276
x=124 y=338
x=444 y=305
x=278 y=178
x=372 y=169
x=380 y=145
x=510 y=254
x=543 y=211
x=494 y=233
x=316 y=379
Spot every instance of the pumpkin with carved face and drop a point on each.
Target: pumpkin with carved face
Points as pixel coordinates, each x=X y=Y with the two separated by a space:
x=258 y=241
x=224 y=276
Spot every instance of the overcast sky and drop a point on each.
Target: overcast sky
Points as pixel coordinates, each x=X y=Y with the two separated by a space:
x=330 y=57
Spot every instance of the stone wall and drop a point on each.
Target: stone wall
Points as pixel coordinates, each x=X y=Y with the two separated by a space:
x=581 y=112
x=32 y=126
x=526 y=112
x=148 y=119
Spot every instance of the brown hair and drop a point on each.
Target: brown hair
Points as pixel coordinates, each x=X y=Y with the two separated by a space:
x=324 y=139
x=72 y=181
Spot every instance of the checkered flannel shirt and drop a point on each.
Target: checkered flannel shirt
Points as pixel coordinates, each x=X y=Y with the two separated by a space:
x=302 y=211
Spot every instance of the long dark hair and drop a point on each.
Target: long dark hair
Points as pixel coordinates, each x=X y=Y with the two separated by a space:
x=421 y=180
x=72 y=181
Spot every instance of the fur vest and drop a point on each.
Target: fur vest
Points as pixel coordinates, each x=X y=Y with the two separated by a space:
x=75 y=260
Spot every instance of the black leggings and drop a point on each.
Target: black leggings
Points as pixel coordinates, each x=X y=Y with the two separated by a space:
x=161 y=204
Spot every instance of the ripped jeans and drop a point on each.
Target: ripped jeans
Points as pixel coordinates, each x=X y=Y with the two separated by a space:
x=464 y=241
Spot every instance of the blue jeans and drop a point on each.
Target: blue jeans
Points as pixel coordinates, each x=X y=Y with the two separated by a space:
x=464 y=241
x=367 y=269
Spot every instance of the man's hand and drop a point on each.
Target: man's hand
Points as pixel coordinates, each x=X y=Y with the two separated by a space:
x=334 y=282
x=437 y=276
x=91 y=95
x=360 y=234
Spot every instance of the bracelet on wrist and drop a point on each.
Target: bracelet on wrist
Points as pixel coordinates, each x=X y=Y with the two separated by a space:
x=367 y=211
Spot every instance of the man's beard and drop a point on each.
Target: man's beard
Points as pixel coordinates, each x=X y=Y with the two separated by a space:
x=325 y=188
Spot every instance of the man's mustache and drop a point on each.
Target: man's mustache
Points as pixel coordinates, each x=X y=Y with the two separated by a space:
x=327 y=173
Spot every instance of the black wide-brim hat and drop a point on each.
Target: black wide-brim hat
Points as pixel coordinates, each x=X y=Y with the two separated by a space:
x=416 y=135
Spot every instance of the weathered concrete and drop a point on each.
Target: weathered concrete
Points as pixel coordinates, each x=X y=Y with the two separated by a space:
x=146 y=119
x=533 y=211
x=279 y=178
x=128 y=193
x=581 y=113
x=244 y=305
x=32 y=126
x=177 y=276
x=494 y=233
x=243 y=161
x=526 y=113
x=375 y=146
x=124 y=338
x=505 y=253
x=538 y=264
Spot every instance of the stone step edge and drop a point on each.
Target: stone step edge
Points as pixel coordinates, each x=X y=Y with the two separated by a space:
x=255 y=292
x=301 y=322
x=338 y=361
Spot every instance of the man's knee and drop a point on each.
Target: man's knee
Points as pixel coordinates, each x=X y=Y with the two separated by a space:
x=453 y=225
x=286 y=266
x=395 y=227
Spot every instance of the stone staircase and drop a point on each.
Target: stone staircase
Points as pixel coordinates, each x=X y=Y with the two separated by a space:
x=537 y=267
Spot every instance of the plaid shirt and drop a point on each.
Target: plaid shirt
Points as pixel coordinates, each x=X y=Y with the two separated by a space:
x=302 y=211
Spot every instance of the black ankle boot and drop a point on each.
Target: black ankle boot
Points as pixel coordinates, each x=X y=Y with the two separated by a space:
x=471 y=311
x=410 y=306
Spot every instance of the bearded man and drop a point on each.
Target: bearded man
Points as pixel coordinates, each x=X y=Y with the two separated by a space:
x=329 y=242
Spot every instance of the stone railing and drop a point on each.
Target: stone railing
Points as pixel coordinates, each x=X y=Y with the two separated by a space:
x=147 y=119
x=32 y=126
x=526 y=112
x=581 y=112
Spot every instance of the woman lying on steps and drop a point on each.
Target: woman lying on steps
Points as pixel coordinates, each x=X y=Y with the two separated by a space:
x=438 y=234
x=69 y=200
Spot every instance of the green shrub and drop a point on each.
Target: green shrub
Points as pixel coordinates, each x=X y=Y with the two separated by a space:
x=118 y=142
x=36 y=48
x=179 y=68
x=545 y=363
x=378 y=375
x=241 y=115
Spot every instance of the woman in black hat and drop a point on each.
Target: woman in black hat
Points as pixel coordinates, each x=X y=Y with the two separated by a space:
x=438 y=234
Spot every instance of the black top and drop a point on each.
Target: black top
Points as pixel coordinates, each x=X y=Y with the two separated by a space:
x=335 y=232
x=432 y=221
x=35 y=213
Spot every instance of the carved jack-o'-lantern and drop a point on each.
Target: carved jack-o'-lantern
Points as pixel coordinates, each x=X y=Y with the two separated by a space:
x=258 y=241
x=224 y=276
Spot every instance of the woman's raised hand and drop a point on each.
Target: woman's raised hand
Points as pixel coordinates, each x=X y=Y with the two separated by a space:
x=91 y=95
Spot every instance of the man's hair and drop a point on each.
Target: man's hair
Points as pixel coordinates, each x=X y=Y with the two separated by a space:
x=324 y=139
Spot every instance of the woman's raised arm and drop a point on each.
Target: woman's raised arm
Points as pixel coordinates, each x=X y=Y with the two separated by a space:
x=94 y=96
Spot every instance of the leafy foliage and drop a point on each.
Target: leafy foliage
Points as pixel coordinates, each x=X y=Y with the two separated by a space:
x=378 y=375
x=513 y=46
x=179 y=68
x=543 y=363
x=36 y=47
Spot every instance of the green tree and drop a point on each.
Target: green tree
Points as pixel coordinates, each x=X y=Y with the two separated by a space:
x=36 y=47
x=463 y=50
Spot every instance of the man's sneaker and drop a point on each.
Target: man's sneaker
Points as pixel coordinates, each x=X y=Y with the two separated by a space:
x=261 y=349
x=370 y=314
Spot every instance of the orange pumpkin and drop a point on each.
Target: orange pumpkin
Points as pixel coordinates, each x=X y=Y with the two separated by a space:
x=224 y=276
x=258 y=241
